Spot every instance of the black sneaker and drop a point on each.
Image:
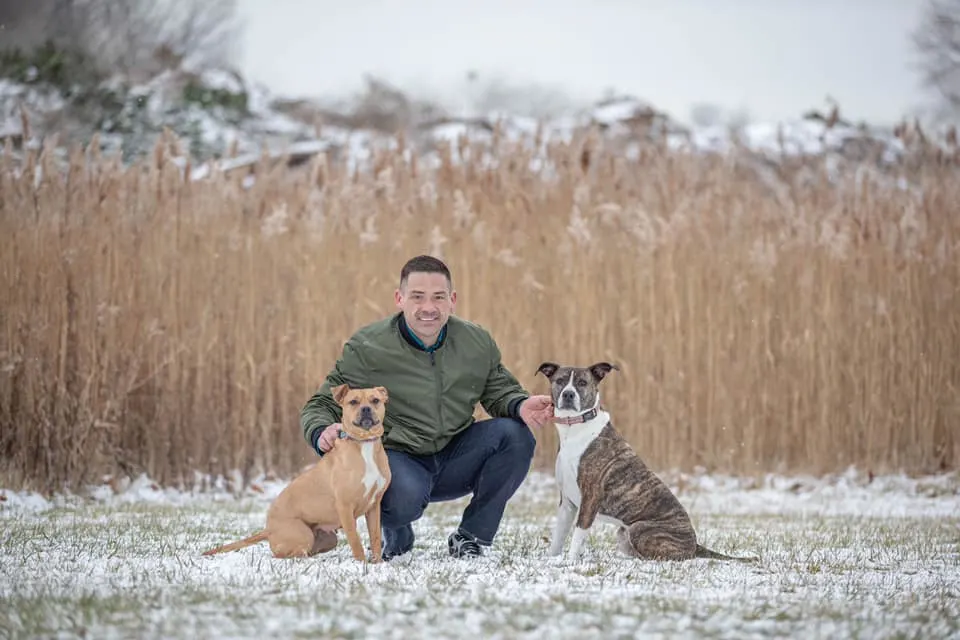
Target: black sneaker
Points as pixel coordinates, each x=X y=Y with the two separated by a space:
x=387 y=556
x=463 y=545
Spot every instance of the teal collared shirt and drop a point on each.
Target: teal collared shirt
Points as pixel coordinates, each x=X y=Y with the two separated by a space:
x=412 y=337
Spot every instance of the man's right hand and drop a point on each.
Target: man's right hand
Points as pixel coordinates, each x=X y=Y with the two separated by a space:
x=328 y=437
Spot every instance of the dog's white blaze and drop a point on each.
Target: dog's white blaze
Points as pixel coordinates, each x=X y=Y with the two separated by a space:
x=371 y=472
x=576 y=399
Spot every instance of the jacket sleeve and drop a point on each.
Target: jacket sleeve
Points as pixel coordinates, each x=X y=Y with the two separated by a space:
x=503 y=394
x=321 y=410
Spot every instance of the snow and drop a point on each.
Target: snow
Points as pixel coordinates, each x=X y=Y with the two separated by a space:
x=843 y=555
x=266 y=126
x=13 y=95
x=617 y=110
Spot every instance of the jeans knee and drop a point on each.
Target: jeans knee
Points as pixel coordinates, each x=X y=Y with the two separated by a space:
x=516 y=438
x=403 y=502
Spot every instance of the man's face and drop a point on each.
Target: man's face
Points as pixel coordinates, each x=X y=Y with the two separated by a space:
x=426 y=301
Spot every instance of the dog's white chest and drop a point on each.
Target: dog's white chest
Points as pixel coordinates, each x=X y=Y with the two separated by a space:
x=574 y=440
x=372 y=477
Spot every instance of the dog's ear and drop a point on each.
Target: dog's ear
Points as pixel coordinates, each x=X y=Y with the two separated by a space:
x=600 y=369
x=339 y=392
x=383 y=394
x=548 y=369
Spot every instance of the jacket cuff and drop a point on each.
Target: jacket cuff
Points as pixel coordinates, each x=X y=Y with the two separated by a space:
x=513 y=409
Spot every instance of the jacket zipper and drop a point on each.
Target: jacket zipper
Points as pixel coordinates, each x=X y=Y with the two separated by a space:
x=437 y=372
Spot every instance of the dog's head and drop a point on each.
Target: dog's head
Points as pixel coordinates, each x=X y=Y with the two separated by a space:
x=575 y=390
x=363 y=410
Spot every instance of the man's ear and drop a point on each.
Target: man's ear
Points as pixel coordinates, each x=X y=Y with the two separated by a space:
x=548 y=369
x=339 y=392
x=600 y=369
x=383 y=394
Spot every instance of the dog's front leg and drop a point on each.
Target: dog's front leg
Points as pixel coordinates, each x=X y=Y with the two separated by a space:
x=373 y=529
x=349 y=525
x=566 y=512
x=577 y=543
x=587 y=514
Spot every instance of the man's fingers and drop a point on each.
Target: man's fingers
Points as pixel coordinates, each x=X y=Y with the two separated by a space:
x=326 y=439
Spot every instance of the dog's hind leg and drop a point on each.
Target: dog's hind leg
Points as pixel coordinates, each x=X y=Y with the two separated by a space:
x=291 y=538
x=659 y=541
x=624 y=545
x=323 y=541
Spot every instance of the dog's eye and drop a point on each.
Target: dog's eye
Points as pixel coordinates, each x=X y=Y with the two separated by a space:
x=581 y=382
x=354 y=402
x=375 y=401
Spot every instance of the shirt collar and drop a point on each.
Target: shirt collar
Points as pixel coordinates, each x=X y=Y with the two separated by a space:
x=414 y=341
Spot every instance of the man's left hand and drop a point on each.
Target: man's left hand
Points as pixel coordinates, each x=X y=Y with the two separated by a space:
x=536 y=411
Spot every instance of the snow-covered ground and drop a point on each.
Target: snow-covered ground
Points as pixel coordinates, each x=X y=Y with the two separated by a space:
x=842 y=556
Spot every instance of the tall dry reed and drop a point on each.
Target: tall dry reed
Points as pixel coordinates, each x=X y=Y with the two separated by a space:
x=153 y=324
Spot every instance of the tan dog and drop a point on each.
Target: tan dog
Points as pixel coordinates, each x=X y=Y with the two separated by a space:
x=347 y=482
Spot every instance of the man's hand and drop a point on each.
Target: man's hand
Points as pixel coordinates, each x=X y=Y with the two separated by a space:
x=536 y=411
x=328 y=437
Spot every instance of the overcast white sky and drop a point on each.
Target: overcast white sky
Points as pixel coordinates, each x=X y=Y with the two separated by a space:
x=776 y=58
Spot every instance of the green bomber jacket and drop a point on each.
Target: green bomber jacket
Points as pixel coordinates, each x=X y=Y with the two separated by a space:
x=432 y=391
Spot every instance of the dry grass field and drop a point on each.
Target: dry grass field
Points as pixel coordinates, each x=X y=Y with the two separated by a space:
x=157 y=325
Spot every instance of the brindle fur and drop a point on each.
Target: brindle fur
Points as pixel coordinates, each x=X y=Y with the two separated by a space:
x=615 y=482
x=657 y=527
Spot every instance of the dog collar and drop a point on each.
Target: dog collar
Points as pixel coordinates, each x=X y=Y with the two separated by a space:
x=343 y=435
x=583 y=417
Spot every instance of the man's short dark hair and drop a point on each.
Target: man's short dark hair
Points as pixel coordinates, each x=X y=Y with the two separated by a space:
x=424 y=264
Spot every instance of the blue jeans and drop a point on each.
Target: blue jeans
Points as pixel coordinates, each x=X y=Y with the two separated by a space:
x=490 y=459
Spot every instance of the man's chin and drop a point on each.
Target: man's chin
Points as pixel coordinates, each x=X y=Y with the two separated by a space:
x=427 y=331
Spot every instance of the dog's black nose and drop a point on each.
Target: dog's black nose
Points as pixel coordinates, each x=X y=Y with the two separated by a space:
x=366 y=412
x=568 y=396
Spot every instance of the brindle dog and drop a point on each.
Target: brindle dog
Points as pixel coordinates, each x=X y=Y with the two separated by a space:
x=602 y=479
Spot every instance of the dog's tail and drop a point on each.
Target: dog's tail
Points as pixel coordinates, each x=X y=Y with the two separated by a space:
x=703 y=552
x=239 y=544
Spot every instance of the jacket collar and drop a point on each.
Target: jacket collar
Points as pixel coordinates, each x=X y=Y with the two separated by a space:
x=416 y=342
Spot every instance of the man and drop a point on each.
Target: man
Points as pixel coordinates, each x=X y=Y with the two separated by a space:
x=436 y=367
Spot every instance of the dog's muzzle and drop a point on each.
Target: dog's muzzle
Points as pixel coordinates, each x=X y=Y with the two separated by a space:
x=366 y=419
x=568 y=400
